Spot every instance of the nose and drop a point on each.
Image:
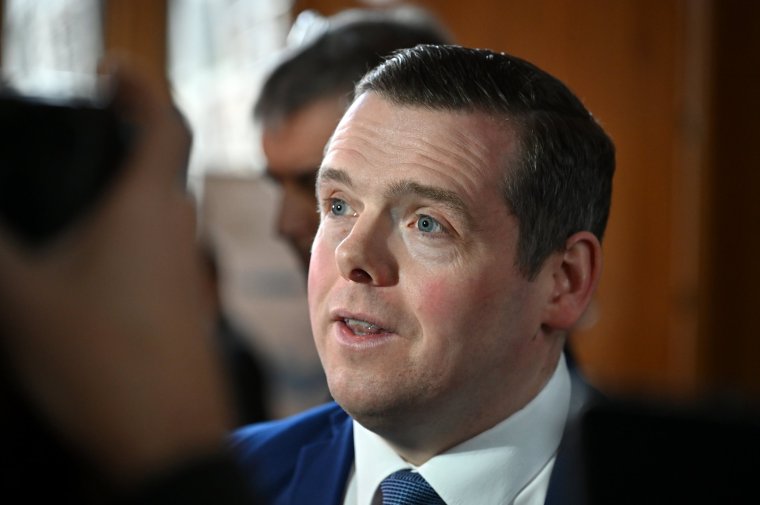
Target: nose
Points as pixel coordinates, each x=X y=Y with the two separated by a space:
x=364 y=256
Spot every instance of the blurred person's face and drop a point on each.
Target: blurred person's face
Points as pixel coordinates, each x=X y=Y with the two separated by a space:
x=294 y=150
x=425 y=326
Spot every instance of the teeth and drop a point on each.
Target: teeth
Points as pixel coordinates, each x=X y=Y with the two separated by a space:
x=362 y=327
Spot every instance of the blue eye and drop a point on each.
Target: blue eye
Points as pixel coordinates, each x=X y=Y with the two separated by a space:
x=339 y=207
x=428 y=225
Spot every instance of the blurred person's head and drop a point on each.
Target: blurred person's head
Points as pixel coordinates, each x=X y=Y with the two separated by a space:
x=309 y=89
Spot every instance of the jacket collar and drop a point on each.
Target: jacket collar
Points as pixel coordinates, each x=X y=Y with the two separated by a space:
x=323 y=467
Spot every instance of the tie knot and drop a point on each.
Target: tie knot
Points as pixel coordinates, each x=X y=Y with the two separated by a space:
x=408 y=488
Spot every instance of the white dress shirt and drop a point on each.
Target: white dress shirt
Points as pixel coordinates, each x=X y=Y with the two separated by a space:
x=509 y=464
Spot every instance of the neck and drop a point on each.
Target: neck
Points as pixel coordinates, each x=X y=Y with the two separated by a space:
x=419 y=436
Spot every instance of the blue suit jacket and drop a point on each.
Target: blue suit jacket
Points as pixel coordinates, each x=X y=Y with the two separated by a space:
x=306 y=459
x=300 y=460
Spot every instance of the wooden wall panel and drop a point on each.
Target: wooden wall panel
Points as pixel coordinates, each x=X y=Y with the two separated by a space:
x=137 y=30
x=730 y=335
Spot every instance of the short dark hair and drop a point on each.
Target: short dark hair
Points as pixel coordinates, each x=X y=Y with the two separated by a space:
x=561 y=181
x=331 y=62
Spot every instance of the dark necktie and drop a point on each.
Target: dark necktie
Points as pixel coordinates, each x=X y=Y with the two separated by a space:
x=408 y=488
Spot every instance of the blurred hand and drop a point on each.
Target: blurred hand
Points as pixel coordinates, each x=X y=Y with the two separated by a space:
x=109 y=329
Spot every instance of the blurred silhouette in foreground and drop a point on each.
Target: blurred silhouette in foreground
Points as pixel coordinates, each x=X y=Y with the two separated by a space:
x=111 y=390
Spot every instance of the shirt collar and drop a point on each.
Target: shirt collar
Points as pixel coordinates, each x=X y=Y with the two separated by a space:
x=499 y=462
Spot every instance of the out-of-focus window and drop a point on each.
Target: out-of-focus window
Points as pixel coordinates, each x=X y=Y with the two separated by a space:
x=218 y=52
x=51 y=47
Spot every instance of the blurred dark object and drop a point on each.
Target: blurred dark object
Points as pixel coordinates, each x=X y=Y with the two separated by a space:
x=642 y=451
x=32 y=450
x=245 y=371
x=39 y=465
x=55 y=160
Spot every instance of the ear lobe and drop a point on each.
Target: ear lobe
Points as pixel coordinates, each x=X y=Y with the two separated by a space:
x=575 y=275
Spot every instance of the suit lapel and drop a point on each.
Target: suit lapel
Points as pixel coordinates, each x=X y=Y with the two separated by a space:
x=323 y=467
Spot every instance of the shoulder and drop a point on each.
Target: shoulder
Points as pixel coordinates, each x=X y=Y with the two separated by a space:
x=305 y=427
x=268 y=453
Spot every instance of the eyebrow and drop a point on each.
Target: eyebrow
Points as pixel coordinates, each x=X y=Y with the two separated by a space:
x=334 y=174
x=406 y=187
x=443 y=196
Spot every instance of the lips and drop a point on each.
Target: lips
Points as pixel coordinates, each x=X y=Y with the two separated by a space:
x=362 y=328
x=361 y=325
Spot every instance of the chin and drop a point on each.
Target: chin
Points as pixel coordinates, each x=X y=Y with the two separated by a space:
x=376 y=418
x=376 y=406
x=358 y=397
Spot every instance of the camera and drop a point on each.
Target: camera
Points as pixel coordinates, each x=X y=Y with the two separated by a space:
x=57 y=158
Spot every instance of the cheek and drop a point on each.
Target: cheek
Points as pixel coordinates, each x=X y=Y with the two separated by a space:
x=464 y=303
x=457 y=303
x=437 y=298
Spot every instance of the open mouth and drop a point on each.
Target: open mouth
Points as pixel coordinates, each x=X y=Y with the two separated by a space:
x=363 y=328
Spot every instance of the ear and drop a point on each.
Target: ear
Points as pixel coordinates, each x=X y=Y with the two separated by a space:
x=575 y=274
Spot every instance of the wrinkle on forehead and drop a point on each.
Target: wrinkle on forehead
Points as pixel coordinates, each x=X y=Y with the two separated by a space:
x=463 y=143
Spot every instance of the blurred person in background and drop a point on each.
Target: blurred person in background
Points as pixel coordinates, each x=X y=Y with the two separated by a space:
x=303 y=97
x=307 y=91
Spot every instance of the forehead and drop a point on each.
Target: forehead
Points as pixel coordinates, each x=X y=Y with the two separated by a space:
x=465 y=152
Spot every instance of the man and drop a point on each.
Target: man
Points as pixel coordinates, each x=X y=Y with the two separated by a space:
x=307 y=92
x=463 y=198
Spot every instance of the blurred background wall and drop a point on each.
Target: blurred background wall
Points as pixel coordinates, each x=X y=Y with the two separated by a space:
x=675 y=83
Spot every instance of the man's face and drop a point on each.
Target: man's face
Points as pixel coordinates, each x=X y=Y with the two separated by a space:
x=294 y=151
x=422 y=321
